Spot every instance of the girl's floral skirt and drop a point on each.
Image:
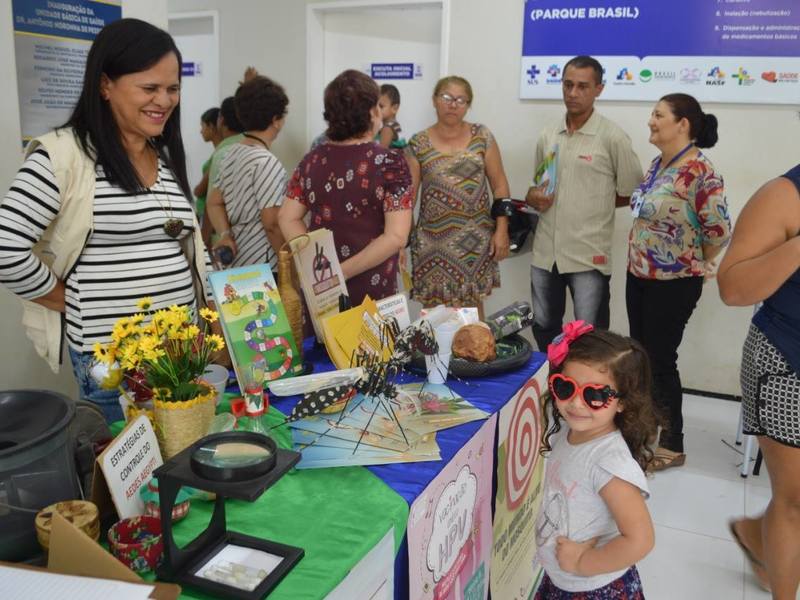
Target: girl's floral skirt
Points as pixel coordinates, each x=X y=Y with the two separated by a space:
x=626 y=587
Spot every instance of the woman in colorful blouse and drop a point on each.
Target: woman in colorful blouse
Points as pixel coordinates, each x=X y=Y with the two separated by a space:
x=354 y=187
x=680 y=225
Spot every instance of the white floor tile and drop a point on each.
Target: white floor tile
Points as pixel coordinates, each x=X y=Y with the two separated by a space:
x=688 y=566
x=711 y=414
x=706 y=454
x=753 y=592
x=756 y=499
x=696 y=503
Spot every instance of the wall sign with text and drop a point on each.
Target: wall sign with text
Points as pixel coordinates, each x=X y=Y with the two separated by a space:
x=395 y=70
x=715 y=50
x=51 y=41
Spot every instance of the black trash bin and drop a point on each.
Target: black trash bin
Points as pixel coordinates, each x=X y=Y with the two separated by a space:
x=37 y=465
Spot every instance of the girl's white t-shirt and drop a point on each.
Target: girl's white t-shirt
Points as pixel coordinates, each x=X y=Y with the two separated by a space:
x=572 y=505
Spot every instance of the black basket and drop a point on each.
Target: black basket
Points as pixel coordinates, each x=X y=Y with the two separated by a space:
x=513 y=352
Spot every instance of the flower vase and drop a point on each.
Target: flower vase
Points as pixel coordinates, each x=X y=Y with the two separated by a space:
x=180 y=424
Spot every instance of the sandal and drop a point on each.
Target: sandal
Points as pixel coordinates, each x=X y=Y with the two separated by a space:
x=664 y=459
x=759 y=570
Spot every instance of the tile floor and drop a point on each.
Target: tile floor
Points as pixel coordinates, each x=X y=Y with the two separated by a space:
x=694 y=557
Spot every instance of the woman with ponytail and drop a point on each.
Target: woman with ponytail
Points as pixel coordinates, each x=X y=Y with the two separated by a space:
x=680 y=225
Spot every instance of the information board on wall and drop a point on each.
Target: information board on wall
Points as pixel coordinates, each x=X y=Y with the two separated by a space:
x=51 y=42
x=743 y=51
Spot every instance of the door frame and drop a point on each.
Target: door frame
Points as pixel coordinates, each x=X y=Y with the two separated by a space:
x=214 y=16
x=198 y=14
x=315 y=42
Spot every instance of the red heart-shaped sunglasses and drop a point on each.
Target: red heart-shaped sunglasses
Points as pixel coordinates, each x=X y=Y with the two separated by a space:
x=595 y=395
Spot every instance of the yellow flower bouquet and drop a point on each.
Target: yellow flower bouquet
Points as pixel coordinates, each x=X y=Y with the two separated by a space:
x=163 y=358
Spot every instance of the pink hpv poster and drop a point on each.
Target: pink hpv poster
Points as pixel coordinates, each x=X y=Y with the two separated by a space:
x=450 y=526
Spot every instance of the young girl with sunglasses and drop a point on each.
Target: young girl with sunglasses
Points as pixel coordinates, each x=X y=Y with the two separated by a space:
x=593 y=524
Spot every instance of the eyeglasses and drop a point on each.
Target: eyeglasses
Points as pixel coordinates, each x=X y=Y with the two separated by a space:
x=450 y=100
x=595 y=395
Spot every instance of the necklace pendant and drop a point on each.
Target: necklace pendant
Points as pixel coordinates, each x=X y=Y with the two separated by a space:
x=173 y=227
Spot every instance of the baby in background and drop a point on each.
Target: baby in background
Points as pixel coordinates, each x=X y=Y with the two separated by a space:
x=389 y=105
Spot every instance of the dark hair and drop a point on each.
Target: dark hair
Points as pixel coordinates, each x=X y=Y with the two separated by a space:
x=349 y=98
x=227 y=110
x=123 y=47
x=702 y=126
x=210 y=116
x=456 y=80
x=586 y=62
x=629 y=367
x=259 y=102
x=391 y=92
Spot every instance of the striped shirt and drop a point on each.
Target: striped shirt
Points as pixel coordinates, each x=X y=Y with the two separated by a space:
x=251 y=179
x=128 y=255
x=595 y=164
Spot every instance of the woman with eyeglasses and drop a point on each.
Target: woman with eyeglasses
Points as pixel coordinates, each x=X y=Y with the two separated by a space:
x=456 y=245
x=249 y=187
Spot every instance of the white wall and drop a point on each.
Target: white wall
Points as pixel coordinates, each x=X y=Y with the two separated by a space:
x=757 y=142
x=484 y=46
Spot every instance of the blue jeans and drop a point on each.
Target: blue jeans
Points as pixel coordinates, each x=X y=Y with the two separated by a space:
x=590 y=299
x=90 y=390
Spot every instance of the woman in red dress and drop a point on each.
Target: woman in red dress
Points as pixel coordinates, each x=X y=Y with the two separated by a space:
x=359 y=190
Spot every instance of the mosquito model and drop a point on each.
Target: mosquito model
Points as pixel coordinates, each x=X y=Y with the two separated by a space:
x=377 y=381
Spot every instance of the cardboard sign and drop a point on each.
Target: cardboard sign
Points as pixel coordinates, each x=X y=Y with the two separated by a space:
x=320 y=275
x=514 y=571
x=253 y=318
x=395 y=306
x=450 y=526
x=72 y=552
x=124 y=466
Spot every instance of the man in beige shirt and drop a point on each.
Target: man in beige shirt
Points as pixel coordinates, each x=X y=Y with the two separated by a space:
x=597 y=170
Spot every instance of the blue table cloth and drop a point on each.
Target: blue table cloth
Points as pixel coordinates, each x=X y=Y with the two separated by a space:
x=410 y=479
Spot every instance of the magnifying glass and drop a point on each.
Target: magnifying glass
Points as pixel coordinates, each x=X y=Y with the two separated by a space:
x=234 y=456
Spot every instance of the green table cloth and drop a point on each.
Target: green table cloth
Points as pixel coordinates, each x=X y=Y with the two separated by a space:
x=336 y=515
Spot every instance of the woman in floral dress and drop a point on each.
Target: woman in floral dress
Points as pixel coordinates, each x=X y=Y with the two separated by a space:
x=354 y=187
x=456 y=244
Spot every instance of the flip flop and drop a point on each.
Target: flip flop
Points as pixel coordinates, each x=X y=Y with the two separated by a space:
x=756 y=565
x=664 y=459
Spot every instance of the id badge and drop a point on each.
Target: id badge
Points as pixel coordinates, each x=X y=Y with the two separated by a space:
x=637 y=200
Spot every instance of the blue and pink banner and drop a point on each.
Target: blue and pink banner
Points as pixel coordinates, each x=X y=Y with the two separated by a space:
x=450 y=526
x=716 y=50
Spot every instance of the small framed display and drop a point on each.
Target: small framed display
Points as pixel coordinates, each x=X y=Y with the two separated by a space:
x=228 y=564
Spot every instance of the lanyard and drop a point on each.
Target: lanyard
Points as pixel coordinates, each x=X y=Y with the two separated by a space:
x=260 y=141
x=651 y=180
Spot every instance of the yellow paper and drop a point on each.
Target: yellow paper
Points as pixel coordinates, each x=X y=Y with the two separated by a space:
x=354 y=329
x=408 y=283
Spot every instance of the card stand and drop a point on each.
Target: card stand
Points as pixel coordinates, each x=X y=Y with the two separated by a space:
x=181 y=564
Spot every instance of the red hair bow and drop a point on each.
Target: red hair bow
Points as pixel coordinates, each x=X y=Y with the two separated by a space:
x=558 y=350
